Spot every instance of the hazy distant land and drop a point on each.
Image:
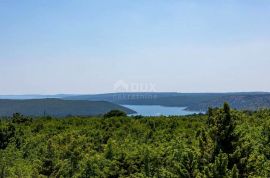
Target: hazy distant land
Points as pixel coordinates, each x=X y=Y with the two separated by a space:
x=86 y=105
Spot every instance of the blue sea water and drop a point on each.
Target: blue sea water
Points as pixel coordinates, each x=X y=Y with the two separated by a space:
x=156 y=110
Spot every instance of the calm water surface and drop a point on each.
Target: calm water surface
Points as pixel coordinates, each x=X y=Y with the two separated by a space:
x=156 y=110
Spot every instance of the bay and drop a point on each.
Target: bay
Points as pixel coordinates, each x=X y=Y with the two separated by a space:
x=157 y=110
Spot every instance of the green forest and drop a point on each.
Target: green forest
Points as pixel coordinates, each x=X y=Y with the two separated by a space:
x=223 y=143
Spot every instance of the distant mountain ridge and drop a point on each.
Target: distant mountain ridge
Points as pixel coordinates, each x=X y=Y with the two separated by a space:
x=193 y=101
x=240 y=102
x=58 y=107
x=33 y=96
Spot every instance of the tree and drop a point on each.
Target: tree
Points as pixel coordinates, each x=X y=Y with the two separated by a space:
x=219 y=168
x=6 y=134
x=115 y=113
x=223 y=131
x=235 y=172
x=20 y=119
x=48 y=164
x=147 y=163
x=188 y=164
x=109 y=152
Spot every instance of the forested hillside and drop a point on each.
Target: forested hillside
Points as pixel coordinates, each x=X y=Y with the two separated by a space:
x=240 y=102
x=58 y=107
x=224 y=143
x=192 y=101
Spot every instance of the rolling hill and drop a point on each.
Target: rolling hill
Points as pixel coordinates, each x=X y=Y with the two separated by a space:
x=193 y=101
x=100 y=103
x=240 y=102
x=58 y=107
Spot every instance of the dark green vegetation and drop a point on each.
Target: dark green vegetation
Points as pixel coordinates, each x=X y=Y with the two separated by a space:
x=57 y=107
x=115 y=113
x=223 y=144
x=193 y=101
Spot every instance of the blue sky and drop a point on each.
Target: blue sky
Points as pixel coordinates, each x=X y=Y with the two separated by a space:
x=86 y=46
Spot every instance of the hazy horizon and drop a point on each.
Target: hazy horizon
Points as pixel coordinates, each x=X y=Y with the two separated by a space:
x=91 y=47
x=74 y=94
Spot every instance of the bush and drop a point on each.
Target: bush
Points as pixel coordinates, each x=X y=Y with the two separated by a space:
x=18 y=118
x=115 y=113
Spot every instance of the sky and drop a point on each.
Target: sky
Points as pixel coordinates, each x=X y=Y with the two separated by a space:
x=100 y=46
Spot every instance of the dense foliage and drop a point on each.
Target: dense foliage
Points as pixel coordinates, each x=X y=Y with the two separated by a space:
x=115 y=113
x=224 y=143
